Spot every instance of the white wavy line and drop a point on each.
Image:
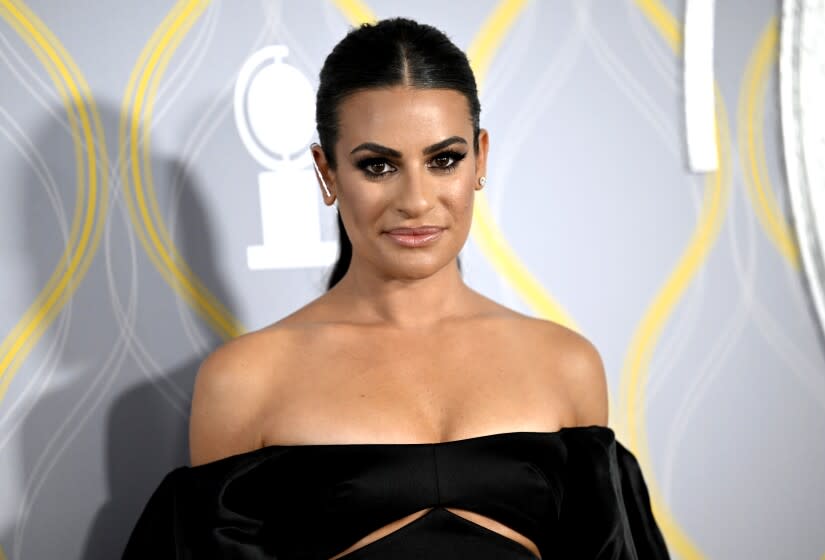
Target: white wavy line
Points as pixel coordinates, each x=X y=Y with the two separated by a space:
x=803 y=369
x=672 y=346
x=542 y=96
x=58 y=444
x=196 y=52
x=12 y=422
x=668 y=134
x=37 y=96
x=35 y=159
x=201 y=134
x=500 y=77
x=59 y=117
x=105 y=376
x=59 y=339
x=200 y=45
x=806 y=371
x=104 y=380
x=794 y=278
x=176 y=397
x=683 y=327
x=298 y=57
x=661 y=57
x=151 y=370
x=127 y=318
x=36 y=162
x=712 y=366
x=627 y=83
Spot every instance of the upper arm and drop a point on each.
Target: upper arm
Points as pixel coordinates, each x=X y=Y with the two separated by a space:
x=578 y=366
x=586 y=381
x=226 y=404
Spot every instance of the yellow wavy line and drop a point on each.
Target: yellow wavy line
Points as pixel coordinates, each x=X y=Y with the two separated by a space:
x=130 y=121
x=634 y=375
x=206 y=304
x=157 y=242
x=636 y=369
x=752 y=145
x=487 y=41
x=485 y=232
x=356 y=11
x=89 y=226
x=664 y=22
x=209 y=306
x=80 y=182
x=2 y=554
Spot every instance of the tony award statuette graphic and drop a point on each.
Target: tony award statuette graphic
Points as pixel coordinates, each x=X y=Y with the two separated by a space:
x=275 y=115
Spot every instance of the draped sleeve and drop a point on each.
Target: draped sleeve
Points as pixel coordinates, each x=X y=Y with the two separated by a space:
x=208 y=511
x=605 y=512
x=647 y=538
x=159 y=532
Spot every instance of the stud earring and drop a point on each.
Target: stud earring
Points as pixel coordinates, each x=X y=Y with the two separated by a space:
x=482 y=181
x=320 y=177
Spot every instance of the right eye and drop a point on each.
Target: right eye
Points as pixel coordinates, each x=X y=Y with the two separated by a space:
x=375 y=167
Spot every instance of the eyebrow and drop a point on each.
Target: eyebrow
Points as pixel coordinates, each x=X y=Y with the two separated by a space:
x=385 y=151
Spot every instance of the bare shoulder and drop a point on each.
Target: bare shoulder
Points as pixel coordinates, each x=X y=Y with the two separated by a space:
x=579 y=365
x=233 y=386
x=573 y=361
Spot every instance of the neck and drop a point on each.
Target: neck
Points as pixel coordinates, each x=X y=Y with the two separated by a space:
x=406 y=303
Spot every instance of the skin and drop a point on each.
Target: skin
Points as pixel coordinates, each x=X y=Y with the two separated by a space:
x=401 y=350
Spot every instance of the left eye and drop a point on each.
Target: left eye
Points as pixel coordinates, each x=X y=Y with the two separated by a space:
x=442 y=161
x=446 y=160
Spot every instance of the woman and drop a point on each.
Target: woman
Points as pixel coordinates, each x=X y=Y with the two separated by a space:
x=401 y=414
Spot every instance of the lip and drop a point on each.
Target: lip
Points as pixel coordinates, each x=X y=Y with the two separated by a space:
x=415 y=237
x=422 y=230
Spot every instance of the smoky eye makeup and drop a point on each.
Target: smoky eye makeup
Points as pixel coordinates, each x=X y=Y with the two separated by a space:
x=447 y=160
x=377 y=167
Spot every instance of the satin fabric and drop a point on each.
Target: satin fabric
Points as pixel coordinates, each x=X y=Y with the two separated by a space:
x=576 y=493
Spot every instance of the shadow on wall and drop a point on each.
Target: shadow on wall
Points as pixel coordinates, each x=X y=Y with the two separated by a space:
x=102 y=409
x=146 y=427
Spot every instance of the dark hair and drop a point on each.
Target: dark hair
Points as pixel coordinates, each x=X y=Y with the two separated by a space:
x=392 y=52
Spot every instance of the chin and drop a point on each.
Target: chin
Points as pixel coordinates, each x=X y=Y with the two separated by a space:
x=416 y=269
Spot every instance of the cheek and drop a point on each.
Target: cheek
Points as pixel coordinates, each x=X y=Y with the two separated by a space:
x=364 y=203
x=462 y=200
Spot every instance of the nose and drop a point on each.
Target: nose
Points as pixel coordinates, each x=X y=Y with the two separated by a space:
x=416 y=193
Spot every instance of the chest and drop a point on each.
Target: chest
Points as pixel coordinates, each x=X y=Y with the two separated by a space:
x=388 y=387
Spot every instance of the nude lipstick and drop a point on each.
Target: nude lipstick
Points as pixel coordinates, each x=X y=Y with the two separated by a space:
x=415 y=237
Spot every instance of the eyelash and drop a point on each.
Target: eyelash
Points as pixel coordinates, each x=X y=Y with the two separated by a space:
x=366 y=163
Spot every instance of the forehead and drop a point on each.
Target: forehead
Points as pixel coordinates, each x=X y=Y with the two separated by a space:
x=402 y=115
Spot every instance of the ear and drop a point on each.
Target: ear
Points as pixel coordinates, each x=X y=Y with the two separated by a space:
x=324 y=174
x=481 y=157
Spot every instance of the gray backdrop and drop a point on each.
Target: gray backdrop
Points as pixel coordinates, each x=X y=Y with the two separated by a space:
x=131 y=200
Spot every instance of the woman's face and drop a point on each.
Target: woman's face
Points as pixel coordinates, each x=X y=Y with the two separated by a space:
x=405 y=159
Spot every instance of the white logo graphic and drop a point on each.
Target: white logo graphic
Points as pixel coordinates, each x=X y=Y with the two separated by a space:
x=275 y=115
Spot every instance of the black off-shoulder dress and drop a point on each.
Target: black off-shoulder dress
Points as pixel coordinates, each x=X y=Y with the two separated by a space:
x=577 y=493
